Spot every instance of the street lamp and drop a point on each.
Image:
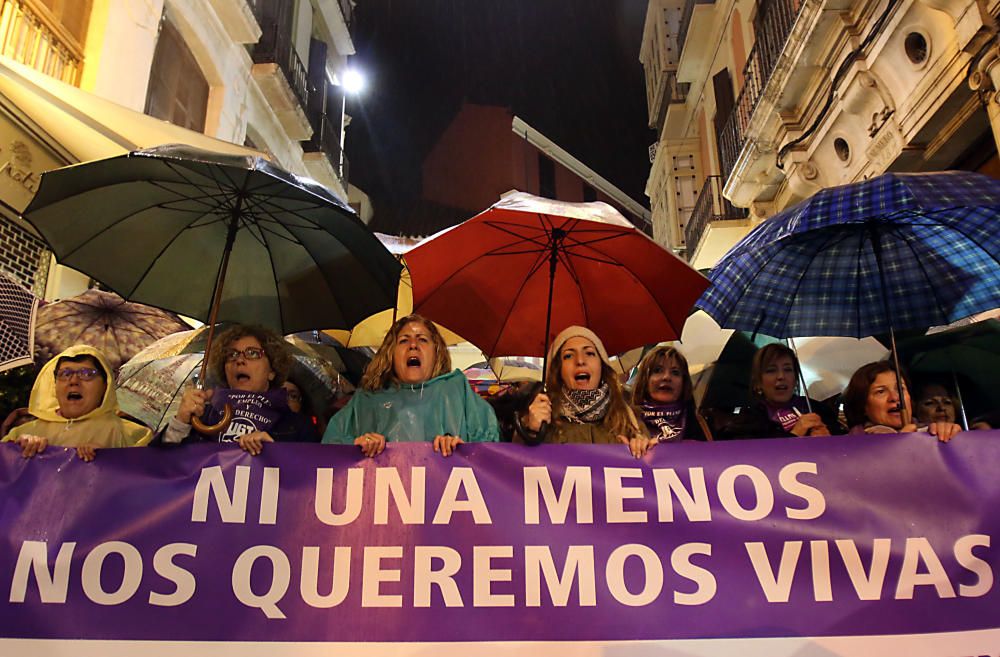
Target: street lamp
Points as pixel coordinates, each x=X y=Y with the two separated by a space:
x=353 y=81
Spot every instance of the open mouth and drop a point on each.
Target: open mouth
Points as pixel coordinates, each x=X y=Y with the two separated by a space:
x=74 y=396
x=582 y=377
x=242 y=376
x=413 y=361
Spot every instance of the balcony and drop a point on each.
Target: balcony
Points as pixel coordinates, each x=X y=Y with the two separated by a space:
x=323 y=155
x=686 y=18
x=30 y=36
x=697 y=19
x=772 y=35
x=710 y=206
x=278 y=69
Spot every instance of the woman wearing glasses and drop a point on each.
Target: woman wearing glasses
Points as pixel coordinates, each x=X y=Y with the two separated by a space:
x=75 y=406
x=253 y=362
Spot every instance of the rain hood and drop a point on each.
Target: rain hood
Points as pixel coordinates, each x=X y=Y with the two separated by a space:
x=101 y=427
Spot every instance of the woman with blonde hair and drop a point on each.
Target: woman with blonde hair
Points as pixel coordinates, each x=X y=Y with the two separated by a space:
x=409 y=394
x=584 y=402
x=664 y=395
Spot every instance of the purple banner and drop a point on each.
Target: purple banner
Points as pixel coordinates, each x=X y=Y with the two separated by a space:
x=843 y=536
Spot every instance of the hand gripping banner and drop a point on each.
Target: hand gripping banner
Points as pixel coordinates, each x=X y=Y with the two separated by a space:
x=852 y=545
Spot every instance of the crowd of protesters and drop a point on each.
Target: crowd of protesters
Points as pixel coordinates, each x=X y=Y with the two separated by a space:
x=410 y=393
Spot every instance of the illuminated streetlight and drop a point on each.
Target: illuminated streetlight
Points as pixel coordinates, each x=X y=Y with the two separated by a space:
x=353 y=81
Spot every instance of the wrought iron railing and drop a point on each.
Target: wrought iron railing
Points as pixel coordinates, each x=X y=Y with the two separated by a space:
x=686 y=22
x=710 y=206
x=326 y=140
x=773 y=30
x=30 y=36
x=276 y=46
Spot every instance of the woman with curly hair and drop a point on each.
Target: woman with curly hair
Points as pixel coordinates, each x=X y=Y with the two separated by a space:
x=584 y=403
x=665 y=397
x=254 y=362
x=409 y=394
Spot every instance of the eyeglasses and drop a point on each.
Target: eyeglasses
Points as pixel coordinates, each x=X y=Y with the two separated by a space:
x=250 y=353
x=84 y=373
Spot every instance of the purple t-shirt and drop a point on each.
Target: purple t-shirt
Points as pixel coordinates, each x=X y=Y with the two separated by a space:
x=666 y=422
x=787 y=414
x=252 y=411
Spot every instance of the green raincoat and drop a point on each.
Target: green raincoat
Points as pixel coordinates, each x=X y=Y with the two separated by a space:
x=413 y=413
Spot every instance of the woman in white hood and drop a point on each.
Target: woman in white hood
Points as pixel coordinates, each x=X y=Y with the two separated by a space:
x=76 y=406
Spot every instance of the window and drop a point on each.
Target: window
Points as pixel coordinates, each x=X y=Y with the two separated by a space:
x=546 y=177
x=178 y=92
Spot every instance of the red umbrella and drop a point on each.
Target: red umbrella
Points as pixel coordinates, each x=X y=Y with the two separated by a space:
x=513 y=276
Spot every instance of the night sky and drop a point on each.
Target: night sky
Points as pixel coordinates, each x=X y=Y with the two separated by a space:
x=570 y=68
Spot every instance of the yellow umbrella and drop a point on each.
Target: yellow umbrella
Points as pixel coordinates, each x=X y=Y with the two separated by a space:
x=371 y=331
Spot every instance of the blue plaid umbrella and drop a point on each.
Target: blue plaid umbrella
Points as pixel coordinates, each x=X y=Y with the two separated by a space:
x=900 y=251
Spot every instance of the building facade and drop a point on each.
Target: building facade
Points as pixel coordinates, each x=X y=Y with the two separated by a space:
x=485 y=152
x=760 y=103
x=260 y=73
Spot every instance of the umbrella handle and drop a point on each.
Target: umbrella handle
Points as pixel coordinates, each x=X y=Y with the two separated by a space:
x=218 y=427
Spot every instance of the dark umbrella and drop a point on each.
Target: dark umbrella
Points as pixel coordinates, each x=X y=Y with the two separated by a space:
x=729 y=379
x=216 y=237
x=17 y=324
x=968 y=353
x=900 y=251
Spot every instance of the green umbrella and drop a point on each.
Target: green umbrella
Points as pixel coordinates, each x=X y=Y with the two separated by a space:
x=970 y=354
x=167 y=226
x=216 y=237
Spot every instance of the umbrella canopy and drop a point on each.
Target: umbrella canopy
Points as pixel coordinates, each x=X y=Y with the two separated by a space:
x=18 y=308
x=900 y=251
x=720 y=360
x=150 y=385
x=348 y=361
x=513 y=276
x=168 y=225
x=504 y=370
x=827 y=365
x=971 y=353
x=370 y=331
x=119 y=328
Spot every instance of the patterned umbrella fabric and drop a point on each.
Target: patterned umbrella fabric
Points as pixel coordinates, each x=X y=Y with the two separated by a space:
x=119 y=328
x=900 y=251
x=18 y=309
